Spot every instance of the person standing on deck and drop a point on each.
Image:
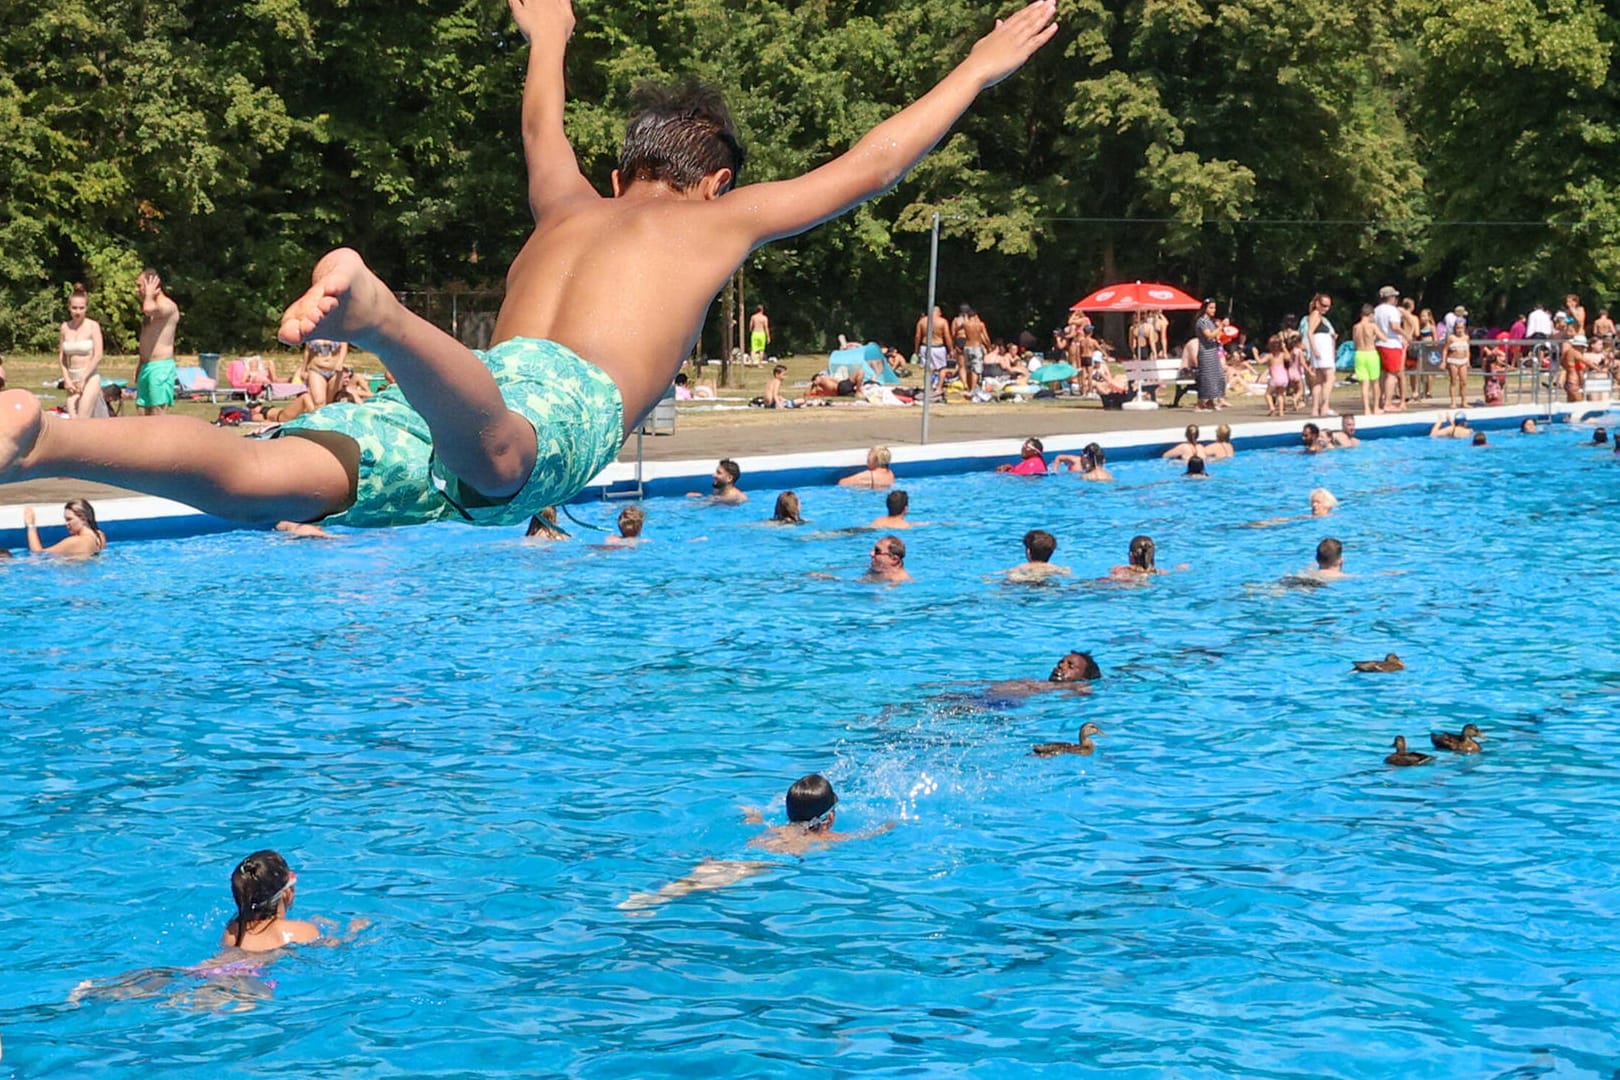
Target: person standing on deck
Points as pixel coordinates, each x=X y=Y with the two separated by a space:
x=972 y=339
x=759 y=335
x=929 y=345
x=1365 y=335
x=155 y=370
x=1391 y=348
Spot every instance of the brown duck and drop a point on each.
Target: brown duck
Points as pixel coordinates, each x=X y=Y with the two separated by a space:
x=1464 y=742
x=1084 y=747
x=1390 y=662
x=1403 y=756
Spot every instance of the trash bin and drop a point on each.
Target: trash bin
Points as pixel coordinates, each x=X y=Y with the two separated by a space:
x=209 y=362
x=661 y=421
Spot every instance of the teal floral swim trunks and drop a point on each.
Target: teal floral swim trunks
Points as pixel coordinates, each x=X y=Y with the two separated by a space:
x=578 y=419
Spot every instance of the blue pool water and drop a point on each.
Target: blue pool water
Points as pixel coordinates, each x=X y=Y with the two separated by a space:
x=484 y=748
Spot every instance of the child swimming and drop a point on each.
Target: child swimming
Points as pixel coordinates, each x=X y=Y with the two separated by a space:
x=263 y=887
x=493 y=438
x=810 y=813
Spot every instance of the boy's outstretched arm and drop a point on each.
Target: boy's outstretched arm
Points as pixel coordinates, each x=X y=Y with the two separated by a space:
x=886 y=153
x=553 y=170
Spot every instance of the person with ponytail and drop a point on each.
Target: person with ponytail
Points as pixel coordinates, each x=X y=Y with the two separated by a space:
x=84 y=536
x=263 y=886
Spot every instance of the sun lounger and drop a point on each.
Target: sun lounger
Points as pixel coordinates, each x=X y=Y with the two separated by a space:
x=194 y=383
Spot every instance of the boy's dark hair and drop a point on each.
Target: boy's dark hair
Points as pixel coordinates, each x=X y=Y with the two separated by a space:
x=1195 y=466
x=809 y=798
x=678 y=135
x=731 y=469
x=1040 y=544
x=897 y=502
x=1329 y=553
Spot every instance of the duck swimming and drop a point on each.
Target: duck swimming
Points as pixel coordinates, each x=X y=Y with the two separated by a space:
x=1465 y=742
x=1390 y=662
x=1083 y=747
x=1403 y=756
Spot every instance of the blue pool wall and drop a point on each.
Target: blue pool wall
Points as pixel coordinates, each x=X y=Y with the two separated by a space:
x=147 y=518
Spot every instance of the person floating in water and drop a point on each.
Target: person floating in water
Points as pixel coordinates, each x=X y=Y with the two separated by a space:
x=811 y=816
x=1074 y=672
x=493 y=438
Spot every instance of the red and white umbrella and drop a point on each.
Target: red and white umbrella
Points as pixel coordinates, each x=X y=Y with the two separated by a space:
x=1136 y=295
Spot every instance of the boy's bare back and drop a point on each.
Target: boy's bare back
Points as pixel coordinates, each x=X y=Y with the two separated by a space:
x=625 y=282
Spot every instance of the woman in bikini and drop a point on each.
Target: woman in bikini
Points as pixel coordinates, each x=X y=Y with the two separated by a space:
x=78 y=350
x=322 y=370
x=1458 y=350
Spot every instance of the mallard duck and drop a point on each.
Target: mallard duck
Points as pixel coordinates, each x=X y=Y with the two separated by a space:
x=1403 y=756
x=1465 y=742
x=1390 y=662
x=1083 y=747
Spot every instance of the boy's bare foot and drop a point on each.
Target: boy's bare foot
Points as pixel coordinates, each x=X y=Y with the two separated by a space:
x=345 y=303
x=20 y=422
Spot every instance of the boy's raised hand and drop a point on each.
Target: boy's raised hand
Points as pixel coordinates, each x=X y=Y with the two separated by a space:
x=544 y=20
x=1014 y=40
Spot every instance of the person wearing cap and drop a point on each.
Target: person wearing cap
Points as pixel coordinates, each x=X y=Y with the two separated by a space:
x=1030 y=459
x=1391 y=345
x=1572 y=366
x=1451 y=426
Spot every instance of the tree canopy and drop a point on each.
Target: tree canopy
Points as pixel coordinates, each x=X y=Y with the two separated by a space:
x=1254 y=150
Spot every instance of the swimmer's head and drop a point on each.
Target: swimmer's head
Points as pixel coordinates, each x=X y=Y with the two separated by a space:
x=787 y=508
x=1142 y=552
x=1195 y=466
x=897 y=502
x=1192 y=433
x=1309 y=434
x=631 y=519
x=1223 y=433
x=1600 y=435
x=1322 y=502
x=1033 y=448
x=680 y=135
x=1479 y=439
x=1528 y=426
x=1329 y=554
x=81 y=509
x=1095 y=453
x=1076 y=666
x=878 y=457
x=1039 y=545
x=726 y=474
x=262 y=886
x=810 y=802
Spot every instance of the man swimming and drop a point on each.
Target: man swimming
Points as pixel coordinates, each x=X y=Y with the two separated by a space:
x=492 y=438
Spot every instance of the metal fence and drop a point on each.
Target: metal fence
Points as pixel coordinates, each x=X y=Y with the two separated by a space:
x=467 y=314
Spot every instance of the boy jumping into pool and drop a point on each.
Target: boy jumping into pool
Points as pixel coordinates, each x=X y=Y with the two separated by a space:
x=493 y=438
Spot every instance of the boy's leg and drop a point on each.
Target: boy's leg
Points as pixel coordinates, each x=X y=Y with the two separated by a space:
x=483 y=443
x=176 y=457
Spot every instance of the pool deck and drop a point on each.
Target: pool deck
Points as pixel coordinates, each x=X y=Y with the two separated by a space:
x=801 y=447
